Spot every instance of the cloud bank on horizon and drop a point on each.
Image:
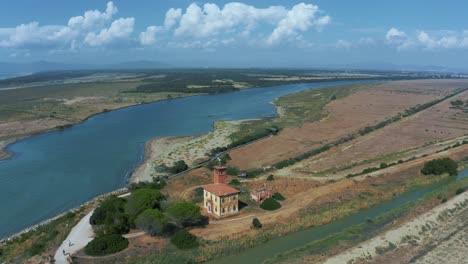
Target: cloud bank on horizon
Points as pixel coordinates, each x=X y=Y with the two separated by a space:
x=211 y=26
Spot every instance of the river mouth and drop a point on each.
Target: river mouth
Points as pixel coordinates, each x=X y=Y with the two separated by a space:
x=294 y=241
x=55 y=171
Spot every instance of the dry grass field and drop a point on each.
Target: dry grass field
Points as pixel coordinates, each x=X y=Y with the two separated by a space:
x=345 y=116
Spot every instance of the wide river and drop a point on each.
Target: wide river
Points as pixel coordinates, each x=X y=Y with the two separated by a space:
x=55 y=171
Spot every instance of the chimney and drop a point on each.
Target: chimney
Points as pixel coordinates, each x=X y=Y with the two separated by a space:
x=219 y=174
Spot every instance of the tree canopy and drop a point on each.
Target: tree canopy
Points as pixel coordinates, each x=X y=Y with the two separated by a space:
x=143 y=199
x=153 y=221
x=184 y=214
x=440 y=166
x=110 y=216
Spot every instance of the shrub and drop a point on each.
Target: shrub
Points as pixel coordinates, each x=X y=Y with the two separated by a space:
x=256 y=223
x=270 y=177
x=184 y=240
x=278 y=196
x=383 y=165
x=270 y=204
x=459 y=190
x=110 y=216
x=142 y=199
x=235 y=182
x=184 y=214
x=440 y=166
x=153 y=221
x=106 y=244
x=232 y=170
x=179 y=166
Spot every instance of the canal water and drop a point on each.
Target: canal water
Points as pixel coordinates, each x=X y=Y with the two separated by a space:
x=270 y=249
x=55 y=171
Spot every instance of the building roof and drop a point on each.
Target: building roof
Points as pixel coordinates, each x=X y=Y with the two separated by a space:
x=220 y=189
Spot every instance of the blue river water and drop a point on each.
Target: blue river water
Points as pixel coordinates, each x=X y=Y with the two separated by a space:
x=55 y=171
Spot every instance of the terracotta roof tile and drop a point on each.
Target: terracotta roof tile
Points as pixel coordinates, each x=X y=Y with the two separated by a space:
x=220 y=189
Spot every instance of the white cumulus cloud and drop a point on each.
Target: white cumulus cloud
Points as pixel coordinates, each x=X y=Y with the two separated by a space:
x=299 y=19
x=93 y=28
x=119 y=29
x=427 y=40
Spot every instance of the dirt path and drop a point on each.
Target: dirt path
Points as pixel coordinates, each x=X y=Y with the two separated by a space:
x=78 y=238
x=420 y=230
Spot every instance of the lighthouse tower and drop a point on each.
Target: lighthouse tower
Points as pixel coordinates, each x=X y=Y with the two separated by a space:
x=219 y=174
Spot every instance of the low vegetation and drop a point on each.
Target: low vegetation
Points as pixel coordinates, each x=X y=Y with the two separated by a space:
x=256 y=223
x=153 y=221
x=184 y=240
x=278 y=196
x=106 y=244
x=440 y=166
x=270 y=204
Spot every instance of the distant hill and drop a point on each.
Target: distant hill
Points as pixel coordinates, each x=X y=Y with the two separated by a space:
x=12 y=68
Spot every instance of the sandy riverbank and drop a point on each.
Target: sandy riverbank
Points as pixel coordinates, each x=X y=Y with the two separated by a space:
x=435 y=225
x=167 y=150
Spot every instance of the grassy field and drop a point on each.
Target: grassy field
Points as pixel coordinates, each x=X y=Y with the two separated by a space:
x=298 y=108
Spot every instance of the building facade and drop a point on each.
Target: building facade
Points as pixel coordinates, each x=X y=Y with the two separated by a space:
x=219 y=199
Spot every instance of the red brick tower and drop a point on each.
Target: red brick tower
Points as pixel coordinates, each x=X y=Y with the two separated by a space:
x=219 y=174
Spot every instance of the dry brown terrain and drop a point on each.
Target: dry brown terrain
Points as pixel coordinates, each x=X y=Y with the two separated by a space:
x=426 y=132
x=347 y=116
x=313 y=195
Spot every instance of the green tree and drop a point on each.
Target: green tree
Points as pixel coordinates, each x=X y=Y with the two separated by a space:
x=184 y=240
x=184 y=214
x=270 y=177
x=110 y=216
x=105 y=245
x=270 y=204
x=153 y=221
x=440 y=166
x=278 y=196
x=143 y=199
x=179 y=166
x=256 y=223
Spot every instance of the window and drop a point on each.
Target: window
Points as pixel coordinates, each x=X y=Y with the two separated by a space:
x=223 y=209
x=234 y=208
x=222 y=200
x=216 y=209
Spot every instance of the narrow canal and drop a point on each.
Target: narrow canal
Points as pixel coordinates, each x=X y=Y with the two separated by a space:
x=300 y=239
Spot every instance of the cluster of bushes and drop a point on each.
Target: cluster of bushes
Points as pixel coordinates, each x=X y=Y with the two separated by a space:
x=456 y=145
x=256 y=223
x=372 y=169
x=278 y=196
x=178 y=167
x=308 y=154
x=184 y=240
x=440 y=166
x=456 y=103
x=116 y=216
x=270 y=204
x=106 y=244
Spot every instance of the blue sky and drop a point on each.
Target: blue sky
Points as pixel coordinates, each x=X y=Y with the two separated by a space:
x=236 y=34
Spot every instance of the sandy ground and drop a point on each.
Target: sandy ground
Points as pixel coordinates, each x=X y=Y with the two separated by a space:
x=78 y=238
x=167 y=150
x=452 y=250
x=345 y=116
x=437 y=224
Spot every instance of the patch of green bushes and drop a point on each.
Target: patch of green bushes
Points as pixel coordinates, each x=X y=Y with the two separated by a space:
x=440 y=166
x=256 y=223
x=183 y=239
x=278 y=196
x=153 y=221
x=270 y=204
x=106 y=244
